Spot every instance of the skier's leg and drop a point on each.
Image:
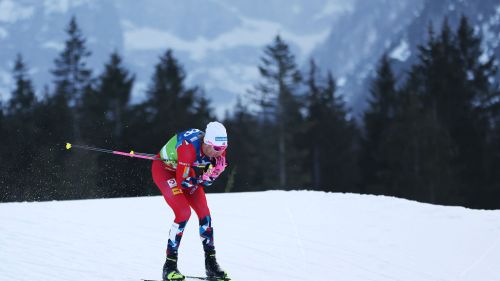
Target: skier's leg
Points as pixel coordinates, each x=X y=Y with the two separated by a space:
x=198 y=202
x=165 y=181
x=182 y=212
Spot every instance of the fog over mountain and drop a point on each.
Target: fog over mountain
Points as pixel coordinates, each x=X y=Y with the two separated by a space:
x=219 y=42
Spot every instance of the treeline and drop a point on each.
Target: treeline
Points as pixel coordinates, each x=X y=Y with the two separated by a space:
x=83 y=108
x=434 y=137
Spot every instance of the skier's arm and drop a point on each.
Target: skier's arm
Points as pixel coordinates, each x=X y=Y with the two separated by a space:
x=185 y=175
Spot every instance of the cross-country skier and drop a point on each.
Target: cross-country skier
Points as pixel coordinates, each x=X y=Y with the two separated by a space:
x=193 y=159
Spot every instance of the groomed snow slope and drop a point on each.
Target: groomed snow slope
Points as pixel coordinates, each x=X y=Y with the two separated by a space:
x=274 y=235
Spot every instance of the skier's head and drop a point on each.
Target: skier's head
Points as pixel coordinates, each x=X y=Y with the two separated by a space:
x=215 y=139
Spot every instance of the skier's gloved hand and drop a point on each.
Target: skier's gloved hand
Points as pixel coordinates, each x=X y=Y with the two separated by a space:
x=189 y=183
x=214 y=170
x=207 y=183
x=220 y=165
x=208 y=174
x=204 y=181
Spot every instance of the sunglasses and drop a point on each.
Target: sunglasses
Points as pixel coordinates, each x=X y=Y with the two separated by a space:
x=219 y=148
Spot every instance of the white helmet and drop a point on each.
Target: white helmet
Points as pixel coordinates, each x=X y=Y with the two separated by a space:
x=215 y=134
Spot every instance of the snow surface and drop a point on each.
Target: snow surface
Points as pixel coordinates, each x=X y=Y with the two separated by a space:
x=274 y=235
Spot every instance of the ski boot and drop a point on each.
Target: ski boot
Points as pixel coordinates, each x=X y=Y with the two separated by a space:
x=214 y=273
x=170 y=271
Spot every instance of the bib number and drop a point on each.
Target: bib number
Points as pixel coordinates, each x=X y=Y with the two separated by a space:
x=190 y=132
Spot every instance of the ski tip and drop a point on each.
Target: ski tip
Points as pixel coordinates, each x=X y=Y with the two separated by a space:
x=68 y=145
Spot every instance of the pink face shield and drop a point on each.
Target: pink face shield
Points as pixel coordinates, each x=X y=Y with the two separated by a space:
x=219 y=148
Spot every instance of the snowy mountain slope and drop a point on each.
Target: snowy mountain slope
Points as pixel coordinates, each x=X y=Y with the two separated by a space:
x=359 y=39
x=396 y=27
x=218 y=41
x=484 y=16
x=36 y=29
x=271 y=235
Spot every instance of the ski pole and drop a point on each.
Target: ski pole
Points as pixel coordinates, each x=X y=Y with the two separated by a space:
x=129 y=154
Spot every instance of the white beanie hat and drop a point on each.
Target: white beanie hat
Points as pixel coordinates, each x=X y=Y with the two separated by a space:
x=215 y=134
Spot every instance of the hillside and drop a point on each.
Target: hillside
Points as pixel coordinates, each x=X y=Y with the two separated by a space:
x=272 y=235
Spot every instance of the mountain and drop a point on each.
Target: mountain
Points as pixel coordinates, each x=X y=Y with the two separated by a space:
x=36 y=29
x=359 y=39
x=273 y=235
x=219 y=42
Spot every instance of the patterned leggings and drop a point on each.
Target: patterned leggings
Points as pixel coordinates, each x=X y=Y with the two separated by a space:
x=181 y=203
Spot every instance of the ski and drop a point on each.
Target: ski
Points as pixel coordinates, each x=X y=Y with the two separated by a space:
x=187 y=278
x=208 y=278
x=196 y=278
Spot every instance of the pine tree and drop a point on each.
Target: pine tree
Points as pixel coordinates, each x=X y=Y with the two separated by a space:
x=331 y=138
x=316 y=117
x=72 y=77
x=245 y=166
x=110 y=101
x=458 y=87
x=377 y=119
x=2 y=116
x=21 y=130
x=73 y=81
x=105 y=113
x=23 y=98
x=168 y=99
x=170 y=107
x=5 y=195
x=276 y=96
x=479 y=70
x=433 y=148
x=417 y=150
x=202 y=111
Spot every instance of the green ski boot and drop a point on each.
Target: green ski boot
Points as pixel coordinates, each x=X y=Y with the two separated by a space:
x=170 y=271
